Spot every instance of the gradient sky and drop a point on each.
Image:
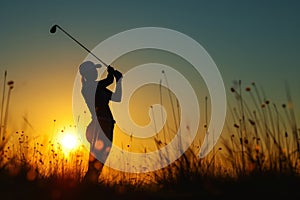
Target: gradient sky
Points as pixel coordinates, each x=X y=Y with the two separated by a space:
x=248 y=40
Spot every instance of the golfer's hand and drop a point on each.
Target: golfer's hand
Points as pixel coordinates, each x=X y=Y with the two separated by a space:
x=110 y=69
x=118 y=74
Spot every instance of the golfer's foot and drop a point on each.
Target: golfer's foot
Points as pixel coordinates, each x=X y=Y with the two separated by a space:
x=118 y=74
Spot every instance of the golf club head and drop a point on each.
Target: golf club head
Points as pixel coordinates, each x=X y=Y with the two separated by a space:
x=53 y=29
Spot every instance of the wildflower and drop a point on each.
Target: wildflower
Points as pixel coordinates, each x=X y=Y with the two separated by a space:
x=188 y=127
x=232 y=89
x=283 y=105
x=267 y=102
x=10 y=84
x=283 y=150
x=248 y=89
x=157 y=141
x=252 y=122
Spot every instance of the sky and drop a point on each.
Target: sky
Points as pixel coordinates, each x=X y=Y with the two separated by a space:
x=252 y=41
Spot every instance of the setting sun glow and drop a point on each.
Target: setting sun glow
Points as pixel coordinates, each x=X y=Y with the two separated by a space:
x=69 y=142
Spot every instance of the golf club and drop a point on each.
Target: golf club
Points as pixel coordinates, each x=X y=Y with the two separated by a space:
x=53 y=30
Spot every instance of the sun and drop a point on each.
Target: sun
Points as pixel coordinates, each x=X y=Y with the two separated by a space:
x=69 y=142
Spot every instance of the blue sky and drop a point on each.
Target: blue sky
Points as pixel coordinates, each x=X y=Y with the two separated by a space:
x=248 y=40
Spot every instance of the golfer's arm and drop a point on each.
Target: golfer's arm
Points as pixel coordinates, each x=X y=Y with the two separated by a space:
x=107 y=81
x=117 y=95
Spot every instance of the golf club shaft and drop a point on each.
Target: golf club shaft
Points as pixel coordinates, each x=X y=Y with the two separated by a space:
x=81 y=45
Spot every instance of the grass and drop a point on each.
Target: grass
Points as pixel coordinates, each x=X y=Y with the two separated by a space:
x=257 y=154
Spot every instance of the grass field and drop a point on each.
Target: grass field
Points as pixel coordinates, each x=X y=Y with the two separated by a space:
x=258 y=155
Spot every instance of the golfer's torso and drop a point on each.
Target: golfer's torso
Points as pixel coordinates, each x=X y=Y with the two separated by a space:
x=102 y=108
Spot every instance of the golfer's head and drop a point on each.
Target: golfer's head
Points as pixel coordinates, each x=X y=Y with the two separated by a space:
x=88 y=70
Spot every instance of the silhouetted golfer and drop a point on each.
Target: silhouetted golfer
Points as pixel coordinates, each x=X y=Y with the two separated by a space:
x=99 y=132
